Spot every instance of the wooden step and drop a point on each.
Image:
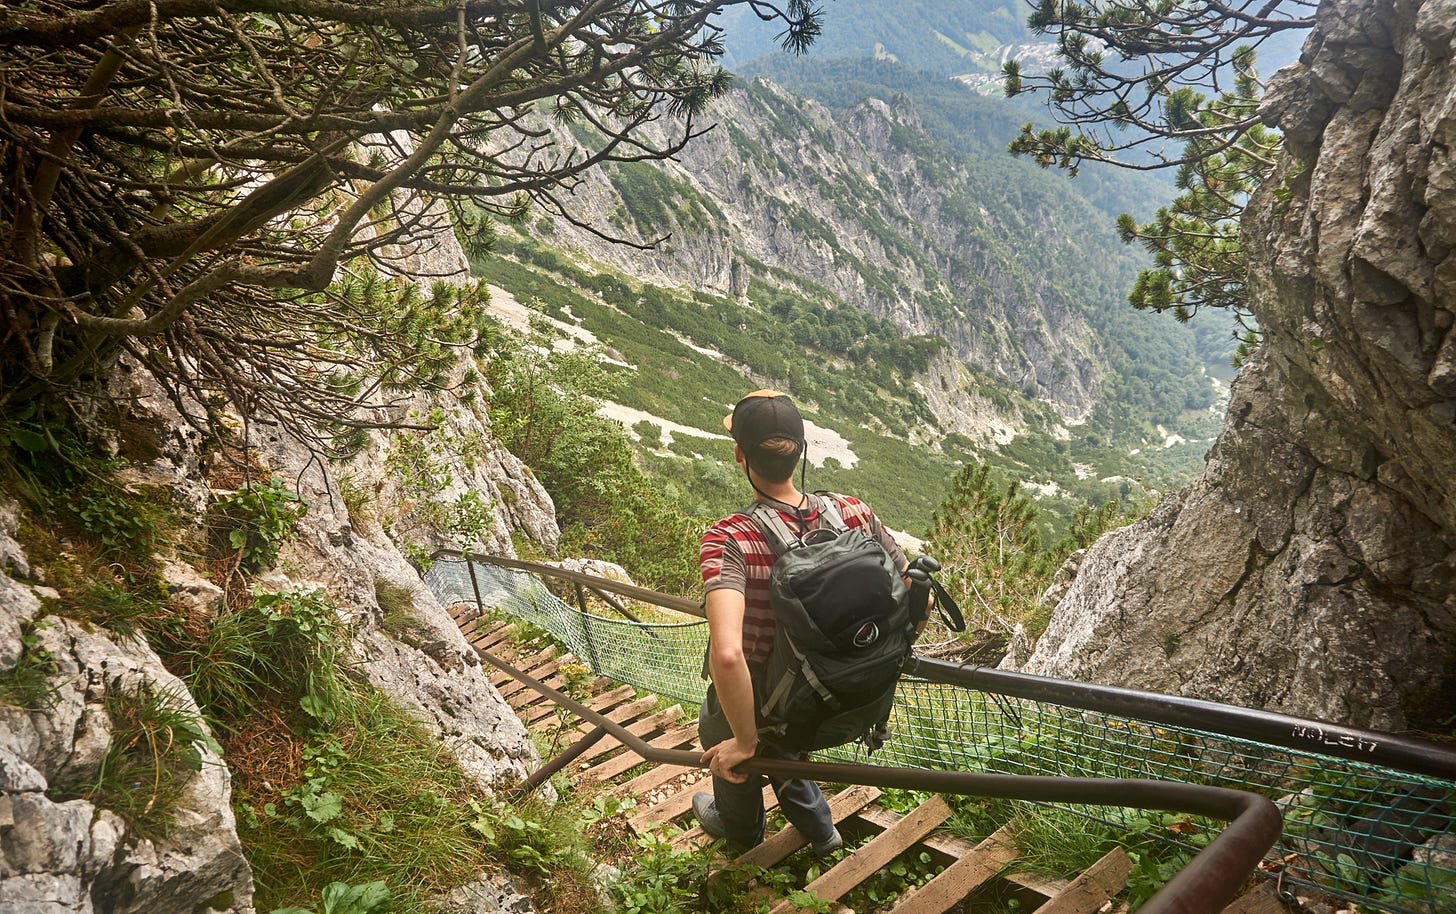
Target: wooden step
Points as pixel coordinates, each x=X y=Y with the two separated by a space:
x=626 y=761
x=780 y=845
x=492 y=638
x=954 y=848
x=1090 y=891
x=647 y=781
x=878 y=853
x=603 y=703
x=642 y=728
x=1263 y=899
x=961 y=878
x=666 y=811
x=696 y=837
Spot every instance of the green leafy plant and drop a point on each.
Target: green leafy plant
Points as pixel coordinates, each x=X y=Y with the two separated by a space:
x=663 y=880
x=342 y=898
x=279 y=651
x=119 y=522
x=255 y=521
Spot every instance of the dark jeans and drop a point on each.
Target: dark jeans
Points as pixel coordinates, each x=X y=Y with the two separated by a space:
x=741 y=805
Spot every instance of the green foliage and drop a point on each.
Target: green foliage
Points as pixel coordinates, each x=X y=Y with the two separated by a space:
x=1194 y=241
x=157 y=745
x=342 y=898
x=126 y=607
x=422 y=464
x=544 y=410
x=1159 y=845
x=374 y=802
x=215 y=270
x=986 y=538
x=280 y=651
x=119 y=523
x=661 y=880
x=253 y=523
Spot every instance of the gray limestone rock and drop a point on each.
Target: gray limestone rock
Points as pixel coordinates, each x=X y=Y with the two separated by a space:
x=59 y=853
x=1311 y=569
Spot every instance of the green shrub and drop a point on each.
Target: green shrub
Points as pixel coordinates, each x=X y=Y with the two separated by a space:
x=253 y=523
x=30 y=684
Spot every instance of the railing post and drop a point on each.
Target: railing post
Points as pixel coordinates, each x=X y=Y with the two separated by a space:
x=475 y=586
x=586 y=628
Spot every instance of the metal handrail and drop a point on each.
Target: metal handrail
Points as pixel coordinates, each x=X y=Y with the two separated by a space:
x=1399 y=753
x=1204 y=886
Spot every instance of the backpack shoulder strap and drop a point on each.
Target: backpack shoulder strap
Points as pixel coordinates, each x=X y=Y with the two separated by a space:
x=829 y=508
x=780 y=538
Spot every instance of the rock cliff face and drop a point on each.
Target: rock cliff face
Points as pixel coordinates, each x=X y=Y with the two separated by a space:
x=1312 y=568
x=861 y=210
x=59 y=853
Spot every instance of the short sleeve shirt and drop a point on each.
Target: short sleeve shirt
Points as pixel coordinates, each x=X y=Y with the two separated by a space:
x=734 y=554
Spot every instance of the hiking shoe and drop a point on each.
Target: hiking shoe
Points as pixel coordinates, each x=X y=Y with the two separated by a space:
x=707 y=812
x=828 y=846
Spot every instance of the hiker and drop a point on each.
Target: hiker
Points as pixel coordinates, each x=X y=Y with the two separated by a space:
x=737 y=559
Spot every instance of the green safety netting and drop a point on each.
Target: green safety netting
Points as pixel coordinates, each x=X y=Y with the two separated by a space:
x=1378 y=837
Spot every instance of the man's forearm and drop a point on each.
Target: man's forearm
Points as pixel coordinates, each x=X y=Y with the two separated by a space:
x=735 y=695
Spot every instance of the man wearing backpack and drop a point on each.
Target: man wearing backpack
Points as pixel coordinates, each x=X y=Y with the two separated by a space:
x=737 y=560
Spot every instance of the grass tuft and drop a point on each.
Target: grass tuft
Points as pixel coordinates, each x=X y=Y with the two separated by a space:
x=156 y=748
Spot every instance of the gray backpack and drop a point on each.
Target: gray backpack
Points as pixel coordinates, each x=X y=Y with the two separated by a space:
x=843 y=633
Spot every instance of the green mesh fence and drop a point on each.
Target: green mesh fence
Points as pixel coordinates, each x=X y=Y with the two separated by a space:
x=1381 y=838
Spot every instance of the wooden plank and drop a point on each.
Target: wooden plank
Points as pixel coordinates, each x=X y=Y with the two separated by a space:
x=663 y=812
x=641 y=727
x=499 y=677
x=646 y=781
x=841 y=806
x=672 y=739
x=1090 y=891
x=544 y=672
x=883 y=848
x=495 y=637
x=478 y=628
x=959 y=879
x=602 y=702
x=519 y=698
x=956 y=848
x=1264 y=899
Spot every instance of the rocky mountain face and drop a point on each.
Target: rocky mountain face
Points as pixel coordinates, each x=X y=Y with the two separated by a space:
x=60 y=854
x=1312 y=568
x=861 y=210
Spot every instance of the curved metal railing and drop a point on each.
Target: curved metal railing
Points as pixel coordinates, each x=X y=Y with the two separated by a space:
x=1366 y=816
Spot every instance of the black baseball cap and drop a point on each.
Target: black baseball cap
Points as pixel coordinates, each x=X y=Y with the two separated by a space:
x=762 y=415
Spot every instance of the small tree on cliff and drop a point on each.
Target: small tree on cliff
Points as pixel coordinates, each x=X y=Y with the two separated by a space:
x=1159 y=85
x=185 y=182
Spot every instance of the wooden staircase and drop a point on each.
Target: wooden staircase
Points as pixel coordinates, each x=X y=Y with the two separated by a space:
x=663 y=800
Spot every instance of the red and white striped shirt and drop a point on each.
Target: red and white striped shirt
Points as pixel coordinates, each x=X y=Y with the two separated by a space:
x=734 y=554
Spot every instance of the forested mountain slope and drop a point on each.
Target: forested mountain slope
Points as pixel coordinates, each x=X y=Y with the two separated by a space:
x=944 y=295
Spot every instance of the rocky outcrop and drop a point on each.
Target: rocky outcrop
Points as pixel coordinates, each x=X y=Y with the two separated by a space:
x=452 y=485
x=60 y=852
x=1311 y=569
